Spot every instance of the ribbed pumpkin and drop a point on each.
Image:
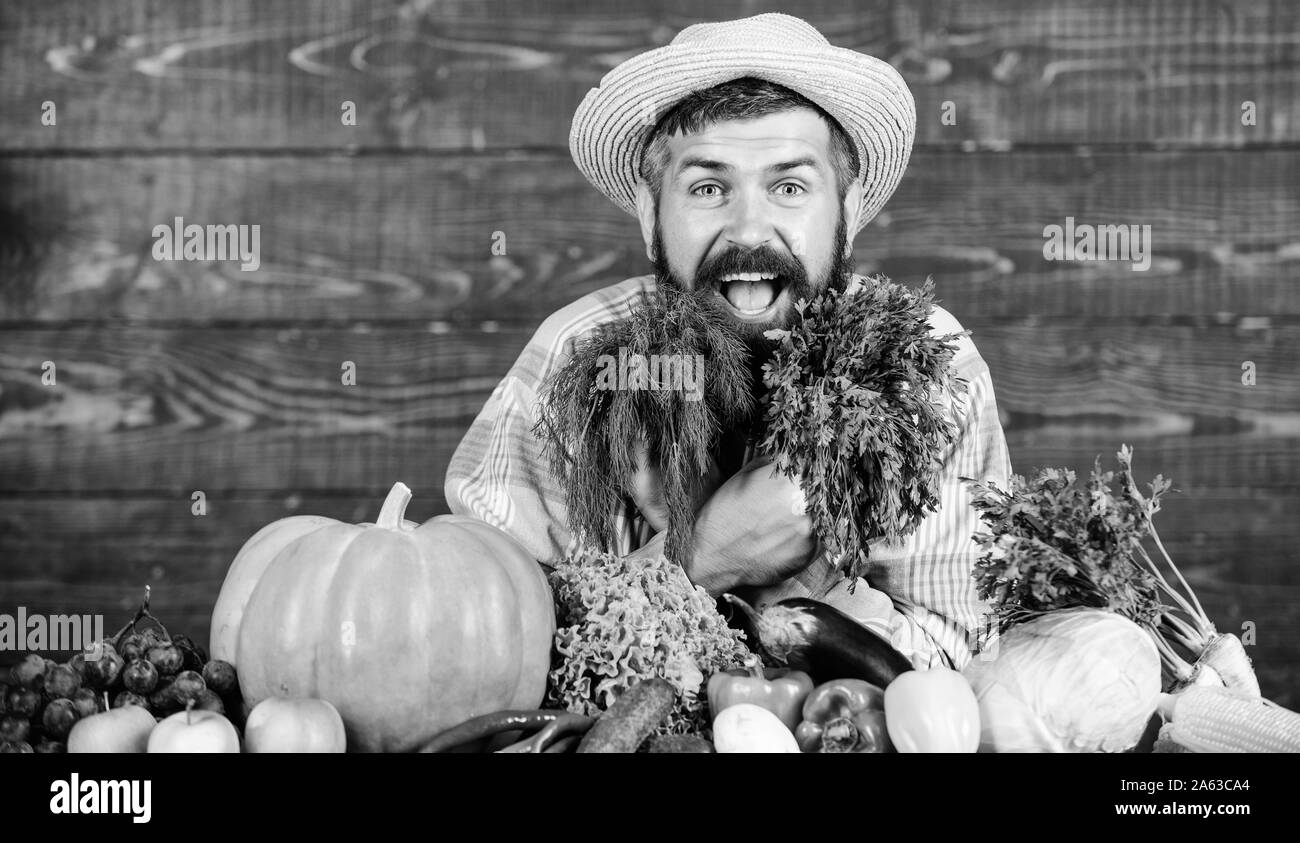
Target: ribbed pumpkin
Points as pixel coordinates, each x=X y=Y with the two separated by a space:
x=406 y=629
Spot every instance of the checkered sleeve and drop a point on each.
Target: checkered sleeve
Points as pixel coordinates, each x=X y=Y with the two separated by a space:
x=499 y=472
x=938 y=616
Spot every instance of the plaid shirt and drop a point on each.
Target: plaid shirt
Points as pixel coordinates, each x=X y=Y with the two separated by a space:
x=918 y=594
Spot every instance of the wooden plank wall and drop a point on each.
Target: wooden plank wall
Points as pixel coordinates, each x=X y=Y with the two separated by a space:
x=376 y=248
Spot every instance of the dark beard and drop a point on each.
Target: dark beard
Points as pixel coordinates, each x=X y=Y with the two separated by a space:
x=797 y=283
x=730 y=451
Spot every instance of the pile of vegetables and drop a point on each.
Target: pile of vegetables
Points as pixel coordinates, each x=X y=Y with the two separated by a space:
x=315 y=608
x=47 y=707
x=623 y=620
x=751 y=708
x=1092 y=628
x=1054 y=544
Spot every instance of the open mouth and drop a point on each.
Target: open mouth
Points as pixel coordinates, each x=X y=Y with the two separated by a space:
x=751 y=294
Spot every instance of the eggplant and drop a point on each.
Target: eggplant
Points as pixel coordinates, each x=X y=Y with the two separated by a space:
x=822 y=641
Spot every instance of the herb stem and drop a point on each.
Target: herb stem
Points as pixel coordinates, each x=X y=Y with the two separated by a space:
x=1199 y=614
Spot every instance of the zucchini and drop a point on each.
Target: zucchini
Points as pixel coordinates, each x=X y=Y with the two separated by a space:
x=679 y=744
x=822 y=641
x=631 y=718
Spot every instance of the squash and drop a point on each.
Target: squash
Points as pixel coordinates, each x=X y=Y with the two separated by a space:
x=406 y=629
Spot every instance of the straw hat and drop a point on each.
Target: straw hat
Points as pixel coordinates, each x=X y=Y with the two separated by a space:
x=866 y=95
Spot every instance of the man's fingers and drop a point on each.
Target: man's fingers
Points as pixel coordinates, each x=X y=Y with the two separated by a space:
x=647 y=488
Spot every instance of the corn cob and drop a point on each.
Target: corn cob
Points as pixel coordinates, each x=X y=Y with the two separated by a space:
x=1208 y=719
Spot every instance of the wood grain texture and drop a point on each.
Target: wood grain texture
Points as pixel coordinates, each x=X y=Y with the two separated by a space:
x=132 y=538
x=394 y=237
x=139 y=408
x=496 y=75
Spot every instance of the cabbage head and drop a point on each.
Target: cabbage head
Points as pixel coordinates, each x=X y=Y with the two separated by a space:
x=1072 y=680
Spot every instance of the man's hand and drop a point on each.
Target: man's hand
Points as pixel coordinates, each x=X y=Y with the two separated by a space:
x=752 y=531
x=647 y=490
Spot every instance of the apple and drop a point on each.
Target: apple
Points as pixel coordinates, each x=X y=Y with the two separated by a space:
x=193 y=730
x=283 y=724
x=124 y=729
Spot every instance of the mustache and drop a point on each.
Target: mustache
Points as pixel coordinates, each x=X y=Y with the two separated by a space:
x=762 y=260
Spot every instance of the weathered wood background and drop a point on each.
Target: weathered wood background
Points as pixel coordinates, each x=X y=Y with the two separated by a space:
x=376 y=248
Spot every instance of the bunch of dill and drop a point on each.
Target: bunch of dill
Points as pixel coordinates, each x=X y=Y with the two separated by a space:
x=590 y=432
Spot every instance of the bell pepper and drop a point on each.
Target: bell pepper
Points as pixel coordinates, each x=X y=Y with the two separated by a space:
x=844 y=715
x=933 y=710
x=779 y=690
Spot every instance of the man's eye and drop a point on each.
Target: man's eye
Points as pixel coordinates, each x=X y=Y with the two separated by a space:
x=798 y=187
x=697 y=190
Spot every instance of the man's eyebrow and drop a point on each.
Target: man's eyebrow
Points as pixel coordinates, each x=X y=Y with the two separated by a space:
x=723 y=167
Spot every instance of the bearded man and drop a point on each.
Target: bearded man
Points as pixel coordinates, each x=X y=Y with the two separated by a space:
x=751 y=152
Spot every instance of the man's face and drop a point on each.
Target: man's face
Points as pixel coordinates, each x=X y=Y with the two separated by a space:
x=749 y=211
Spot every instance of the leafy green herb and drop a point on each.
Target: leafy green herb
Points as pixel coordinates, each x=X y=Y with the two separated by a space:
x=621 y=620
x=854 y=412
x=1055 y=544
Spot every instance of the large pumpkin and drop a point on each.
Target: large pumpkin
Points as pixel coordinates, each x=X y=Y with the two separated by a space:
x=406 y=629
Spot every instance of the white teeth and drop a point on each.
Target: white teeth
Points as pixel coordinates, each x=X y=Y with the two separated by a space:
x=749 y=276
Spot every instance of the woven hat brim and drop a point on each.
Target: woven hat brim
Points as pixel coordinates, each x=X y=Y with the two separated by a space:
x=867 y=96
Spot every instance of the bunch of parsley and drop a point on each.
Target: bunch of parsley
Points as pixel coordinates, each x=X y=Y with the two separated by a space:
x=854 y=412
x=1054 y=543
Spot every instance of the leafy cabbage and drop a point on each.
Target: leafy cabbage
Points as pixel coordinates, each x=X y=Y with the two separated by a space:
x=1074 y=680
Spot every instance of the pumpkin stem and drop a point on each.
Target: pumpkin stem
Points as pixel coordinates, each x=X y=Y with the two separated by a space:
x=189 y=707
x=394 y=510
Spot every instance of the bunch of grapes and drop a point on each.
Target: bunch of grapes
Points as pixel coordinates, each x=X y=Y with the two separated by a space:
x=162 y=673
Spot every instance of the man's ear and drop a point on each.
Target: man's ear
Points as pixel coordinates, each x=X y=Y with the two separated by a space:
x=852 y=213
x=645 y=211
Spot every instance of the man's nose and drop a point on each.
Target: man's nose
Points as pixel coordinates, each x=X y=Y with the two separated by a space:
x=750 y=225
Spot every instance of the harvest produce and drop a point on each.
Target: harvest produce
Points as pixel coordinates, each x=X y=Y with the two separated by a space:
x=822 y=641
x=1073 y=680
x=680 y=745
x=317 y=608
x=119 y=730
x=1055 y=545
x=590 y=430
x=844 y=715
x=1208 y=719
x=278 y=724
x=746 y=727
x=194 y=731
x=932 y=710
x=636 y=713
x=623 y=621
x=46 y=701
x=780 y=690
x=856 y=411
x=473 y=733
